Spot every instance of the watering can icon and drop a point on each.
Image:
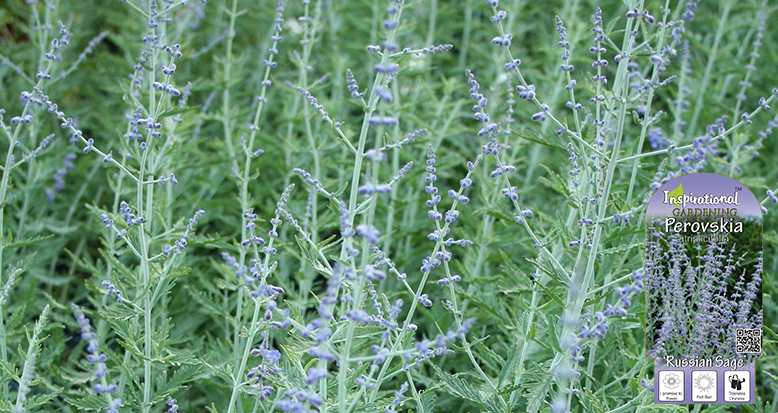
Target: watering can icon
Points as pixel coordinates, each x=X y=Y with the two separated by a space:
x=735 y=383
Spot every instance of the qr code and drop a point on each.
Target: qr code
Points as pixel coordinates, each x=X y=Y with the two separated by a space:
x=749 y=341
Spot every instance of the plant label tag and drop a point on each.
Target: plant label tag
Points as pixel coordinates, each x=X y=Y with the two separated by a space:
x=703 y=283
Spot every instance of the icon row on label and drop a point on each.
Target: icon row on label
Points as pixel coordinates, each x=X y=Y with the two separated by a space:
x=736 y=385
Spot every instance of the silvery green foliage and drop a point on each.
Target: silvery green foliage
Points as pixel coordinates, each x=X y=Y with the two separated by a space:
x=379 y=206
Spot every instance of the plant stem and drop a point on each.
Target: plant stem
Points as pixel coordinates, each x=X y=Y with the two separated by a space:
x=226 y=116
x=649 y=101
x=709 y=67
x=29 y=363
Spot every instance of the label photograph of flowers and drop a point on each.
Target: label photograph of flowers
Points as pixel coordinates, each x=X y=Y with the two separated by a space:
x=388 y=206
x=703 y=271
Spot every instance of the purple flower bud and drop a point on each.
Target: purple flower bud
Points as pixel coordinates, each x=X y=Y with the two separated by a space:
x=384 y=93
x=387 y=68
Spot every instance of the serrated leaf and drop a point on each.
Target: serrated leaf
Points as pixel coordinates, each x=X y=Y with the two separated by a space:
x=179 y=272
x=494 y=356
x=494 y=213
x=205 y=301
x=311 y=256
x=116 y=264
x=183 y=375
x=177 y=111
x=41 y=399
x=475 y=299
x=509 y=389
x=621 y=248
x=538 y=393
x=9 y=370
x=551 y=294
x=224 y=372
x=88 y=402
x=378 y=406
x=461 y=388
x=428 y=401
x=508 y=367
x=29 y=241
x=551 y=141
x=164 y=286
x=119 y=312
x=558 y=184
x=72 y=376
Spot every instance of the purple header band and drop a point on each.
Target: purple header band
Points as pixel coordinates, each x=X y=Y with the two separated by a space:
x=692 y=190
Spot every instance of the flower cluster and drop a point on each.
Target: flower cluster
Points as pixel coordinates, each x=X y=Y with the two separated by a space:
x=180 y=244
x=112 y=290
x=259 y=375
x=95 y=357
x=712 y=284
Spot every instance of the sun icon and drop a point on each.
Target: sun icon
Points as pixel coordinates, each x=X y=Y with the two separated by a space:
x=671 y=381
x=703 y=382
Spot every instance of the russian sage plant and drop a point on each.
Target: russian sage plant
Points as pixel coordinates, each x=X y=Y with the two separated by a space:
x=380 y=206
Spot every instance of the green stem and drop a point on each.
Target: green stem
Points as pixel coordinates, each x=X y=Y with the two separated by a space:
x=417 y=294
x=709 y=67
x=29 y=363
x=649 y=100
x=3 y=347
x=144 y=247
x=575 y=301
x=13 y=138
x=226 y=116
x=254 y=326
x=308 y=43
x=245 y=357
x=718 y=137
x=466 y=35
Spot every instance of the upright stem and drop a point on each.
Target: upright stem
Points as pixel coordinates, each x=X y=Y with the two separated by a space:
x=13 y=138
x=29 y=363
x=372 y=102
x=252 y=331
x=226 y=116
x=146 y=276
x=621 y=89
x=649 y=100
x=308 y=41
x=709 y=67
x=226 y=119
x=143 y=242
x=3 y=345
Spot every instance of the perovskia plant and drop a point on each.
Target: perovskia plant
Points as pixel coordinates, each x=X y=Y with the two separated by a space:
x=378 y=206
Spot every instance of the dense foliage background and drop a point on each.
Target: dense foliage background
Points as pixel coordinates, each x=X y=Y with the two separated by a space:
x=56 y=245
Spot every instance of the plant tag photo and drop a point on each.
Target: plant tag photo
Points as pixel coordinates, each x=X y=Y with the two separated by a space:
x=704 y=290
